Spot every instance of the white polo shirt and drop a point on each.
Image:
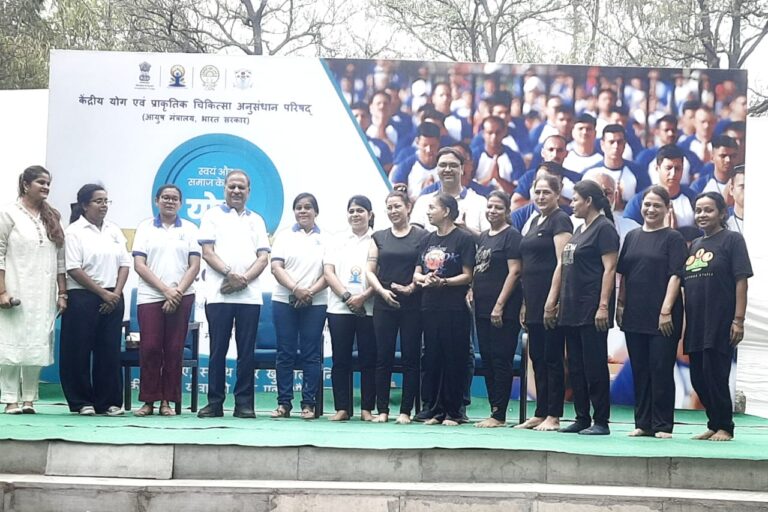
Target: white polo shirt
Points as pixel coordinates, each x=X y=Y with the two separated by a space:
x=99 y=252
x=167 y=250
x=471 y=205
x=579 y=163
x=348 y=253
x=237 y=239
x=302 y=255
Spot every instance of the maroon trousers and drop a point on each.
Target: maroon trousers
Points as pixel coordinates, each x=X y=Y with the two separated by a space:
x=161 y=349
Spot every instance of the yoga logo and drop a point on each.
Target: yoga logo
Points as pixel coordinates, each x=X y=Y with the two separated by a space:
x=699 y=261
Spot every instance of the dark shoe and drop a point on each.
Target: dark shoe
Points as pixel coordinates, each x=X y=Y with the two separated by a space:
x=210 y=411
x=573 y=428
x=596 y=430
x=244 y=413
x=424 y=415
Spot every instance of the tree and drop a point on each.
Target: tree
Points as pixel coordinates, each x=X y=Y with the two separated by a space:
x=23 y=47
x=471 y=30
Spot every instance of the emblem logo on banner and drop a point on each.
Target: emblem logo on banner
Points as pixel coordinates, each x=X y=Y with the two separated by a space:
x=243 y=79
x=145 y=78
x=209 y=75
x=177 y=76
x=200 y=166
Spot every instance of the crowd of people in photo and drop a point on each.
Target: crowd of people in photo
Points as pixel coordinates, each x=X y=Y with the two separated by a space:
x=497 y=221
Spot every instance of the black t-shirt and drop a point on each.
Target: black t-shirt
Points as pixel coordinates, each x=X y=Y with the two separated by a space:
x=583 y=272
x=446 y=255
x=540 y=260
x=397 y=257
x=713 y=267
x=491 y=270
x=647 y=261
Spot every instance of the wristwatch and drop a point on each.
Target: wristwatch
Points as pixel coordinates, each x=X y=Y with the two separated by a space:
x=345 y=296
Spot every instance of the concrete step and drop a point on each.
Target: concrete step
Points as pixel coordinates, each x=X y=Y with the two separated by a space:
x=35 y=493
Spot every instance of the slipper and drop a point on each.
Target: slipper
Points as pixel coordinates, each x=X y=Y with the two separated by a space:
x=308 y=413
x=28 y=409
x=12 y=410
x=166 y=410
x=145 y=410
x=281 y=412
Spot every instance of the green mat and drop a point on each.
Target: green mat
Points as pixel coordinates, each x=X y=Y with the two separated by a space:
x=54 y=422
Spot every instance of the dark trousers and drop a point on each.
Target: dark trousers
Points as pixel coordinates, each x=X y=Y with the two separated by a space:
x=345 y=331
x=387 y=323
x=86 y=333
x=497 y=350
x=162 y=349
x=653 y=364
x=446 y=335
x=546 y=348
x=221 y=318
x=588 y=372
x=710 y=371
x=298 y=329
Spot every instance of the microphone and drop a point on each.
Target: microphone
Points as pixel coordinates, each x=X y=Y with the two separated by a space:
x=15 y=302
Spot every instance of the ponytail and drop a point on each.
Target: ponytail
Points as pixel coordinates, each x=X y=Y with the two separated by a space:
x=600 y=202
x=84 y=196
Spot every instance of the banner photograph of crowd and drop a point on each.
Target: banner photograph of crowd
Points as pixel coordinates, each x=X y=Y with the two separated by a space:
x=597 y=210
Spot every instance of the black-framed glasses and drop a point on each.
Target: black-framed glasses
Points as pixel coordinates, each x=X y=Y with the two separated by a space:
x=101 y=202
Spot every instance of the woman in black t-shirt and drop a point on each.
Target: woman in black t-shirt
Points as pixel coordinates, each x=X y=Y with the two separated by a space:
x=715 y=280
x=650 y=312
x=541 y=249
x=396 y=306
x=497 y=297
x=586 y=306
x=444 y=272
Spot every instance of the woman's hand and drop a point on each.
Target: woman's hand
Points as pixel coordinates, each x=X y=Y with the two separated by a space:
x=550 y=315
x=356 y=304
x=666 y=326
x=390 y=298
x=601 y=319
x=110 y=298
x=470 y=299
x=303 y=297
x=106 y=308
x=620 y=316
x=496 y=314
x=737 y=332
x=522 y=317
x=61 y=304
x=431 y=280
x=169 y=308
x=173 y=295
x=402 y=290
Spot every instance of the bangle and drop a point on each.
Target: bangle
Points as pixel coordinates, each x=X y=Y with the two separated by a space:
x=293 y=290
x=740 y=324
x=602 y=306
x=63 y=296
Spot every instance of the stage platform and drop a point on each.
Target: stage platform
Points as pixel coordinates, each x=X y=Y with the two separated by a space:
x=58 y=454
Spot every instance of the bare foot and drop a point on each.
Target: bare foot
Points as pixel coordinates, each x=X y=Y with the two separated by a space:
x=450 y=423
x=381 y=418
x=531 y=423
x=403 y=419
x=705 y=436
x=339 y=416
x=490 y=423
x=366 y=415
x=721 y=435
x=550 y=424
x=433 y=421
x=663 y=435
x=639 y=432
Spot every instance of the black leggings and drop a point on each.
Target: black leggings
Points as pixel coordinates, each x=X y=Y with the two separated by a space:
x=588 y=372
x=710 y=373
x=546 y=348
x=497 y=350
x=386 y=324
x=345 y=329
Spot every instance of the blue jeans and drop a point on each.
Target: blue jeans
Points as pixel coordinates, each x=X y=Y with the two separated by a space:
x=299 y=346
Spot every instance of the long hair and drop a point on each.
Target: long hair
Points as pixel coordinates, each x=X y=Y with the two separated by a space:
x=590 y=189
x=84 y=196
x=48 y=214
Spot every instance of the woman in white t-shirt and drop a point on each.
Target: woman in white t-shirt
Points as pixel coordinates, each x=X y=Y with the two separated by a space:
x=298 y=307
x=350 y=311
x=166 y=256
x=97 y=264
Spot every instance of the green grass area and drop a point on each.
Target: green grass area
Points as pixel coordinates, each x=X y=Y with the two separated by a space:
x=54 y=422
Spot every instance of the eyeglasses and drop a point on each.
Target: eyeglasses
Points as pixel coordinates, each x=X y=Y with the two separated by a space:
x=445 y=165
x=170 y=199
x=101 y=202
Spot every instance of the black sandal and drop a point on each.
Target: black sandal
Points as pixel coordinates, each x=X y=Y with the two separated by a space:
x=281 y=412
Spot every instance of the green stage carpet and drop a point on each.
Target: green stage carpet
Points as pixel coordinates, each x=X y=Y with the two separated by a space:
x=54 y=422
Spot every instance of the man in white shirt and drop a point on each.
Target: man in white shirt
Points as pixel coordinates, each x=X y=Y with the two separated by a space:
x=700 y=143
x=581 y=151
x=236 y=249
x=471 y=205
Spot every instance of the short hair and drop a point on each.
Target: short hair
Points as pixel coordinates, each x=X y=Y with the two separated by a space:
x=691 y=105
x=555 y=136
x=448 y=150
x=310 y=197
x=448 y=201
x=614 y=128
x=434 y=114
x=669 y=118
x=564 y=109
x=738 y=126
x=620 y=109
x=553 y=168
x=381 y=92
x=498 y=99
x=606 y=89
x=705 y=108
x=463 y=145
x=429 y=130
x=739 y=169
x=496 y=120
x=670 y=152
x=360 y=105
x=724 y=141
x=553 y=182
x=242 y=173
x=659 y=191
x=586 y=119
x=503 y=196
x=165 y=187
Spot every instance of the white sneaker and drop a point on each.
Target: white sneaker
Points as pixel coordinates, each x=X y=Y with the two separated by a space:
x=115 y=411
x=87 y=410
